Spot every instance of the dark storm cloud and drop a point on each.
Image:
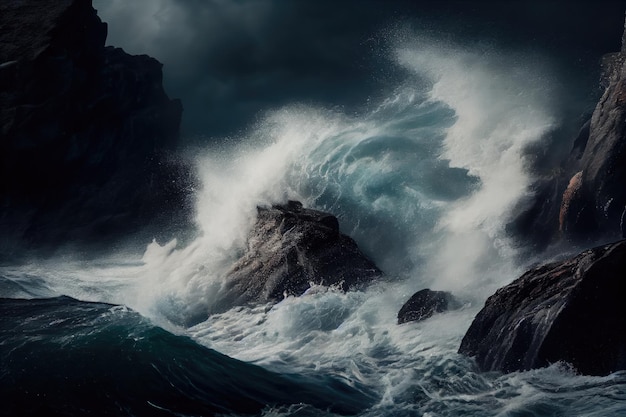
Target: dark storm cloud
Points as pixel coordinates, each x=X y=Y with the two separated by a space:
x=228 y=60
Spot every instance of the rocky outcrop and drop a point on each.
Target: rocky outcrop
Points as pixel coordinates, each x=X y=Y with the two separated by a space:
x=572 y=311
x=290 y=248
x=87 y=131
x=424 y=303
x=599 y=206
x=584 y=200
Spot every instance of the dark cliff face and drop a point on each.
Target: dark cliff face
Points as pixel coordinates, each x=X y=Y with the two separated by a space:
x=291 y=247
x=87 y=132
x=584 y=202
x=598 y=203
x=572 y=311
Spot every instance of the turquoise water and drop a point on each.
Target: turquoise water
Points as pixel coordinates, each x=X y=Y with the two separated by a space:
x=424 y=180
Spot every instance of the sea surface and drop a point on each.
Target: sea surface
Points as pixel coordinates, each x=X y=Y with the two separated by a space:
x=424 y=179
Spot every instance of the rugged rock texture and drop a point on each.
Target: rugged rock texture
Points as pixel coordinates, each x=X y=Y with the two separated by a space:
x=85 y=130
x=424 y=303
x=572 y=311
x=291 y=247
x=599 y=205
x=584 y=201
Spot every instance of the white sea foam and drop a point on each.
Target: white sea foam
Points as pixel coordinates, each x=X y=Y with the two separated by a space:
x=376 y=172
x=424 y=183
x=503 y=103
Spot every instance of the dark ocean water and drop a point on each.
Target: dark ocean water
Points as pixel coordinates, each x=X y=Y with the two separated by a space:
x=424 y=180
x=66 y=357
x=62 y=356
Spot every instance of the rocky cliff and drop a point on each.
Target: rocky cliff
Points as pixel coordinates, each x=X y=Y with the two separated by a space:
x=584 y=202
x=573 y=310
x=597 y=205
x=87 y=131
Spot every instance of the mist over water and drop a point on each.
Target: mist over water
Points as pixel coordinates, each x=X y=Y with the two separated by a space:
x=503 y=102
x=424 y=181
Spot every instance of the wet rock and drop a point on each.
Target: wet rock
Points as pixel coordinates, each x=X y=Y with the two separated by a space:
x=583 y=200
x=424 y=303
x=87 y=131
x=600 y=203
x=290 y=248
x=572 y=311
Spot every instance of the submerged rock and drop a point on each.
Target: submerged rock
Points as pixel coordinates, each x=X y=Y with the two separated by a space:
x=572 y=311
x=87 y=131
x=290 y=248
x=424 y=303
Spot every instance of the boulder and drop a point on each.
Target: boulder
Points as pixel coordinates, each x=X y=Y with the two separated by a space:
x=87 y=131
x=572 y=311
x=424 y=303
x=290 y=248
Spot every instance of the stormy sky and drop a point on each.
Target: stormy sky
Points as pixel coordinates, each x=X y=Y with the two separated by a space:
x=229 y=60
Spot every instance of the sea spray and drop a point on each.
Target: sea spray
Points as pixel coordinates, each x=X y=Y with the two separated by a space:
x=435 y=170
x=503 y=103
x=424 y=182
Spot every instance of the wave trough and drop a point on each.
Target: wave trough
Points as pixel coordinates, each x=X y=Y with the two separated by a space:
x=424 y=182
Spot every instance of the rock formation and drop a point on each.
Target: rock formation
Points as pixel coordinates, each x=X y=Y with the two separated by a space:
x=424 y=303
x=86 y=130
x=572 y=311
x=585 y=200
x=600 y=204
x=291 y=247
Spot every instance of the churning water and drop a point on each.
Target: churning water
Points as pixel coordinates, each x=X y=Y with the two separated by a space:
x=425 y=181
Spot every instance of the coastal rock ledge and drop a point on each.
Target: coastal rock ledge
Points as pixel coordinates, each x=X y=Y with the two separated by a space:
x=291 y=247
x=572 y=311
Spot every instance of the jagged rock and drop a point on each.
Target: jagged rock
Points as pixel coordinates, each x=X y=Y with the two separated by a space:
x=424 y=303
x=572 y=311
x=584 y=199
x=86 y=130
x=291 y=247
x=600 y=204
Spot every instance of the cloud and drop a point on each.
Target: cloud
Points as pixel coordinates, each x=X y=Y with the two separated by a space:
x=228 y=60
